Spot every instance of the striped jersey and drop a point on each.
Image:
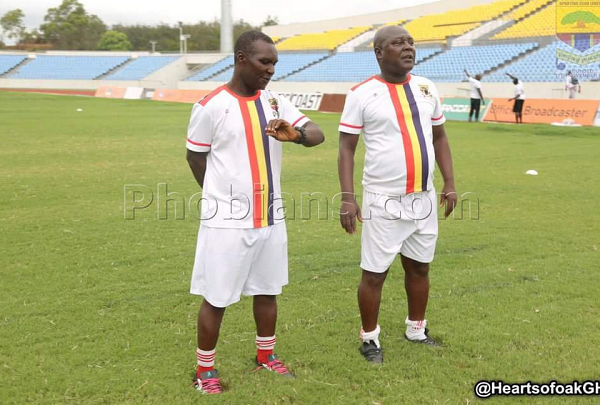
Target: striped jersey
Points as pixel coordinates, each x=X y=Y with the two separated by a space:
x=243 y=170
x=396 y=122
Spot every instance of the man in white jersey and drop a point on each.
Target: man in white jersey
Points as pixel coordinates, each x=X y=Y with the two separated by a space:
x=234 y=151
x=401 y=120
x=572 y=85
x=476 y=95
x=519 y=98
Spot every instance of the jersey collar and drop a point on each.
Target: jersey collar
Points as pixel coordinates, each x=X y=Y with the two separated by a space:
x=408 y=77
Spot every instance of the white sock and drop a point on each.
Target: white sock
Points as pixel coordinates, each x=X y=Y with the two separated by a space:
x=205 y=359
x=415 y=330
x=373 y=335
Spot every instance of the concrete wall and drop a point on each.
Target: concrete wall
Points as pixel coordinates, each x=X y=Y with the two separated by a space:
x=589 y=91
x=383 y=17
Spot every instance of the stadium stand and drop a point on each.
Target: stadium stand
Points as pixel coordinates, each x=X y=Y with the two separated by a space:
x=224 y=76
x=439 y=27
x=542 y=23
x=7 y=62
x=348 y=67
x=68 y=67
x=450 y=65
x=541 y=66
x=290 y=62
x=328 y=40
x=445 y=44
x=528 y=8
x=211 y=70
x=141 y=67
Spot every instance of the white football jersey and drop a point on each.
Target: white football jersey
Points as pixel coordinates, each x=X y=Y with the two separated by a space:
x=242 y=182
x=396 y=121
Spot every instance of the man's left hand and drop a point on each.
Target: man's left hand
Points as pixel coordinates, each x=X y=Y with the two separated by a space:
x=449 y=198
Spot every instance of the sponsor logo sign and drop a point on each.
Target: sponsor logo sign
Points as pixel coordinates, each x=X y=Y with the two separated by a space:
x=305 y=101
x=545 y=111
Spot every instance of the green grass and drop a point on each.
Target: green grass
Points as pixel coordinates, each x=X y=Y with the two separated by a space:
x=95 y=308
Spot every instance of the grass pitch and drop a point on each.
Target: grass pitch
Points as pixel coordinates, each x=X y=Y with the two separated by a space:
x=95 y=308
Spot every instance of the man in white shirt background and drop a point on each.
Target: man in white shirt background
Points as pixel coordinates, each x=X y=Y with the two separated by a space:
x=476 y=95
x=572 y=85
x=519 y=98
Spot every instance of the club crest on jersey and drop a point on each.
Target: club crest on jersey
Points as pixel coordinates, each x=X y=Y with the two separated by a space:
x=425 y=90
x=274 y=107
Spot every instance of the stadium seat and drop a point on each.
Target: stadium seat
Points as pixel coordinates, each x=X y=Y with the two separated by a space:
x=527 y=8
x=141 y=67
x=449 y=66
x=542 y=23
x=541 y=66
x=348 y=67
x=7 y=62
x=438 y=27
x=288 y=63
x=206 y=73
x=322 y=40
x=68 y=67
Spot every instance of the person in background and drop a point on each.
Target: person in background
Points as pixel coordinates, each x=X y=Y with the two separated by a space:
x=476 y=95
x=519 y=98
x=572 y=85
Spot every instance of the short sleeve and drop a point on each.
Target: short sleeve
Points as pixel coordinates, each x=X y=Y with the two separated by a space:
x=200 y=130
x=289 y=112
x=437 y=117
x=352 y=116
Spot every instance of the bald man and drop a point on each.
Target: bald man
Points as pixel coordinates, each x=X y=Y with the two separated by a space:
x=400 y=117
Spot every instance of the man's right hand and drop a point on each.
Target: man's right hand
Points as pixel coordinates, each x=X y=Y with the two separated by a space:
x=349 y=211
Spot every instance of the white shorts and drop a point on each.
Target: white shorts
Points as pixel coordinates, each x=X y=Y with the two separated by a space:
x=391 y=225
x=232 y=262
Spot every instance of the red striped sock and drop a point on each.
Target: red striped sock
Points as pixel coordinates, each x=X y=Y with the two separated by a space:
x=264 y=347
x=205 y=360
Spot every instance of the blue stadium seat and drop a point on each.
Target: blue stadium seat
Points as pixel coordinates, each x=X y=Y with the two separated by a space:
x=224 y=76
x=68 y=67
x=449 y=66
x=288 y=63
x=142 y=67
x=7 y=62
x=348 y=67
x=542 y=66
x=211 y=70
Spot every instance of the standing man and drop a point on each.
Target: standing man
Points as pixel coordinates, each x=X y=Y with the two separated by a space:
x=401 y=119
x=572 y=85
x=519 y=98
x=234 y=151
x=476 y=95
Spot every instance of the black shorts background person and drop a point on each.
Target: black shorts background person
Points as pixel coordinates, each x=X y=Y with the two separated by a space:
x=519 y=98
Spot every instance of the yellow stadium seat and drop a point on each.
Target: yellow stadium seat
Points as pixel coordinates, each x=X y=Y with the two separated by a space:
x=527 y=8
x=438 y=27
x=542 y=23
x=322 y=40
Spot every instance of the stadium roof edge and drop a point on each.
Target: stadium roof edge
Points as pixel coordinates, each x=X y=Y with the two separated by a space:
x=382 y=17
